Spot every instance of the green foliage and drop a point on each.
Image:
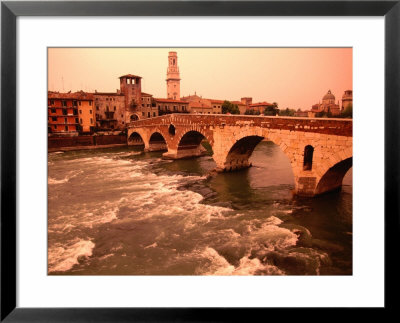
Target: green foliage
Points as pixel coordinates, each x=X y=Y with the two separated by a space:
x=272 y=110
x=229 y=107
x=287 y=112
x=252 y=112
x=348 y=112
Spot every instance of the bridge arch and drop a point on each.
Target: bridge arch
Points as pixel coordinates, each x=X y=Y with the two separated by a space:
x=333 y=177
x=189 y=143
x=239 y=154
x=157 y=142
x=136 y=139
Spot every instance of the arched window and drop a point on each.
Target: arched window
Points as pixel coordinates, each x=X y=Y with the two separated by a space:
x=308 y=157
x=171 y=130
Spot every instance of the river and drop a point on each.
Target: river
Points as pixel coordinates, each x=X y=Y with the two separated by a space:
x=119 y=211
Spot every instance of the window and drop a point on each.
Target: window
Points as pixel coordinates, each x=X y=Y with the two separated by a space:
x=54 y=118
x=55 y=126
x=76 y=120
x=64 y=103
x=90 y=111
x=80 y=103
x=80 y=111
x=143 y=114
x=81 y=121
x=91 y=121
x=74 y=103
x=154 y=114
x=122 y=115
x=115 y=108
x=90 y=102
x=308 y=157
x=51 y=102
x=65 y=120
x=97 y=108
x=53 y=110
x=65 y=112
x=107 y=108
x=66 y=128
x=175 y=108
x=148 y=114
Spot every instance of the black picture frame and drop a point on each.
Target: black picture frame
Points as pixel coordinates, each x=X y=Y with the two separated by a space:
x=10 y=10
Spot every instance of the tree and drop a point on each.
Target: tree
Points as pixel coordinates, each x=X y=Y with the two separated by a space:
x=229 y=107
x=348 y=112
x=252 y=112
x=271 y=110
x=287 y=112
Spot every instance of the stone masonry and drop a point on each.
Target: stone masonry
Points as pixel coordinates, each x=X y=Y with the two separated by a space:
x=233 y=139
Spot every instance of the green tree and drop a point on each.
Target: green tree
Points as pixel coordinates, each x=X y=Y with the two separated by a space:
x=271 y=110
x=348 y=112
x=229 y=107
x=252 y=112
x=287 y=112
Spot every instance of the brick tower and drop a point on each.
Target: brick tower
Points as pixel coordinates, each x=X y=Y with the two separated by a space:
x=173 y=80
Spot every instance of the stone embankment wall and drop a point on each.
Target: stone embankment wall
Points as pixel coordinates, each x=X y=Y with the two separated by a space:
x=59 y=142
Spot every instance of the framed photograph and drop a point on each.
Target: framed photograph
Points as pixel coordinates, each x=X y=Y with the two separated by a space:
x=195 y=158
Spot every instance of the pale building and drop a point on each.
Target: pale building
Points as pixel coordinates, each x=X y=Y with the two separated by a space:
x=327 y=105
x=347 y=99
x=167 y=106
x=110 y=110
x=173 y=78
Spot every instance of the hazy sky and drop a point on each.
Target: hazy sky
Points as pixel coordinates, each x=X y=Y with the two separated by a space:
x=292 y=77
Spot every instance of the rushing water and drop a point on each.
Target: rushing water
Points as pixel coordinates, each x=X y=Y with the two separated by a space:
x=122 y=212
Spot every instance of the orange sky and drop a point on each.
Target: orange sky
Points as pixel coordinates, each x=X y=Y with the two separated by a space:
x=292 y=77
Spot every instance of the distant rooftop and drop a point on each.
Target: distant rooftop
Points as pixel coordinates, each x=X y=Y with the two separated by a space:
x=130 y=76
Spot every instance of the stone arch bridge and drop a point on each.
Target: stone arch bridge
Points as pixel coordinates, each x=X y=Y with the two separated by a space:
x=319 y=150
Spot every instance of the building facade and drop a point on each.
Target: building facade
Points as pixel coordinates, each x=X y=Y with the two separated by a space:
x=327 y=105
x=70 y=113
x=259 y=107
x=167 y=106
x=347 y=99
x=110 y=111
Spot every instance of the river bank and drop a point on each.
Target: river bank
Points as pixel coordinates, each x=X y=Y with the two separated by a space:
x=64 y=149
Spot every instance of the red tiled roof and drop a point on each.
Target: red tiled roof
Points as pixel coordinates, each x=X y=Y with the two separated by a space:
x=108 y=93
x=146 y=94
x=76 y=95
x=238 y=102
x=130 y=75
x=170 y=100
x=216 y=101
x=260 y=104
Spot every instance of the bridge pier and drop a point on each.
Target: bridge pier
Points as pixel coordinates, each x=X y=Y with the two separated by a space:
x=156 y=146
x=185 y=152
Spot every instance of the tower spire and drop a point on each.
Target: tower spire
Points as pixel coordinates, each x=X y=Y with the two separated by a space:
x=173 y=78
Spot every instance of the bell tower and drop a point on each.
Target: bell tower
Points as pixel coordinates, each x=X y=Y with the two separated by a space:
x=173 y=79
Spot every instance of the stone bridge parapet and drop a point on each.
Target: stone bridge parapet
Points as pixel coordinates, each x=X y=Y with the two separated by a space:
x=319 y=150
